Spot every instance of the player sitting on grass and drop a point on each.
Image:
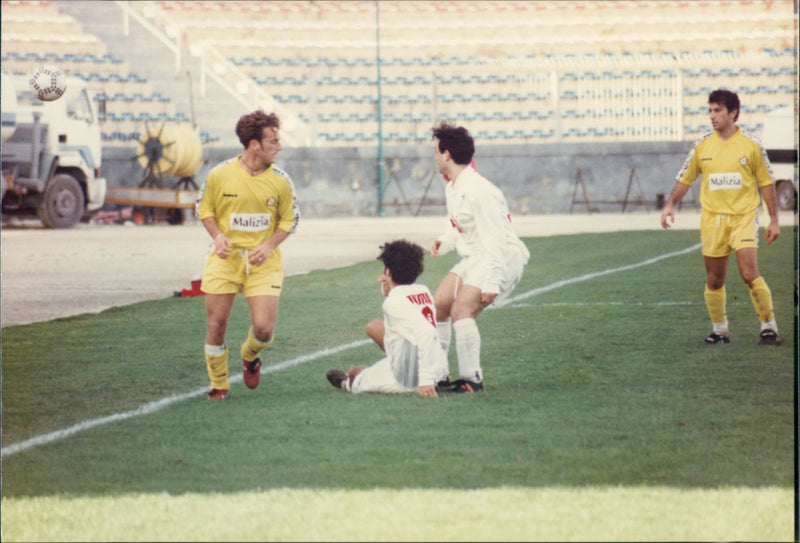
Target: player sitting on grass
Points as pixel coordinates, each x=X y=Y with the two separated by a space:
x=415 y=359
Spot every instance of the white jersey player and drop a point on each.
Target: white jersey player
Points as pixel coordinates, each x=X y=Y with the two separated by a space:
x=492 y=256
x=415 y=359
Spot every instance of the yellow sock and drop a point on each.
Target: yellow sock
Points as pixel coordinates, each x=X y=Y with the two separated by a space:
x=251 y=347
x=217 y=366
x=715 y=303
x=761 y=297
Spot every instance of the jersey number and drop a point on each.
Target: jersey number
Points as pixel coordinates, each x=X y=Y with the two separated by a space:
x=427 y=312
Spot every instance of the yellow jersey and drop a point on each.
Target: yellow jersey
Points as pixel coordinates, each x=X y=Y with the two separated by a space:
x=248 y=208
x=731 y=172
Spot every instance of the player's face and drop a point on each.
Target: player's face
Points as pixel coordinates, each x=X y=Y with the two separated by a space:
x=386 y=281
x=441 y=158
x=270 y=145
x=721 y=118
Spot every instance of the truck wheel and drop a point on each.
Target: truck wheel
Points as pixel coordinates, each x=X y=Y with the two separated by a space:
x=787 y=197
x=63 y=203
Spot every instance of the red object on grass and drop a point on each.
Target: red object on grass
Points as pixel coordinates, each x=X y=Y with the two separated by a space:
x=193 y=291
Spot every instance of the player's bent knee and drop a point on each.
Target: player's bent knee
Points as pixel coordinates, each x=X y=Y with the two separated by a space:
x=374 y=328
x=263 y=334
x=263 y=330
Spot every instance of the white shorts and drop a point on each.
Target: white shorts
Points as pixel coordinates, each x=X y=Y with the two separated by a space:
x=471 y=271
x=380 y=378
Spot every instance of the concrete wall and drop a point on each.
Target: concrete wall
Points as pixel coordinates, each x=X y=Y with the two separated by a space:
x=536 y=179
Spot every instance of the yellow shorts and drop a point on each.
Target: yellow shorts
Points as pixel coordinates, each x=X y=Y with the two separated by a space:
x=722 y=234
x=232 y=274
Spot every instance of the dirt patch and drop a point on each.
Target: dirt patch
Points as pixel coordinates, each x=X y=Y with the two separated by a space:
x=47 y=274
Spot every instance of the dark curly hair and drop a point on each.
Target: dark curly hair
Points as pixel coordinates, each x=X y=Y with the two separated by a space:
x=455 y=139
x=404 y=260
x=251 y=126
x=727 y=98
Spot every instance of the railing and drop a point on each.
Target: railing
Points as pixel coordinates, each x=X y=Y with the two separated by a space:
x=247 y=92
x=172 y=45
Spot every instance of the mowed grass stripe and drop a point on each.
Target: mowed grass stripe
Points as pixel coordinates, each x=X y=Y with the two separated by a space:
x=599 y=422
x=493 y=514
x=158 y=405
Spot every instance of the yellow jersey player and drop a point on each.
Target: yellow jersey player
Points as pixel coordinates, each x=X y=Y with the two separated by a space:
x=734 y=168
x=249 y=208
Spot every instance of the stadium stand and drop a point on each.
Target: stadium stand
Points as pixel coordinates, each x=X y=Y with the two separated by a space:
x=129 y=98
x=516 y=72
x=531 y=71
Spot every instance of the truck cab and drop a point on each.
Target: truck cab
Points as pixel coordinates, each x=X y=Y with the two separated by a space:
x=51 y=157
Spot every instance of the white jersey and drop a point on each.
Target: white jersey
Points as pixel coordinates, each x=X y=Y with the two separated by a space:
x=411 y=341
x=480 y=227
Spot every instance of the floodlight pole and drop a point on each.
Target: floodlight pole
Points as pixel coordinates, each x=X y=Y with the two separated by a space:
x=380 y=115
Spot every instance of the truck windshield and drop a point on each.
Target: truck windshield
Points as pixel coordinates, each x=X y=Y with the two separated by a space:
x=79 y=107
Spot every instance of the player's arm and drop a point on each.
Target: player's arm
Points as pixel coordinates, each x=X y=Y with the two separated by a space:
x=686 y=176
x=288 y=217
x=668 y=213
x=444 y=243
x=770 y=197
x=222 y=245
x=766 y=184
x=288 y=209
x=206 y=210
x=427 y=351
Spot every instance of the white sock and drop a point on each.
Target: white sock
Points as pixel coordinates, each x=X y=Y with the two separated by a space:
x=215 y=350
x=468 y=348
x=444 y=328
x=770 y=325
x=721 y=328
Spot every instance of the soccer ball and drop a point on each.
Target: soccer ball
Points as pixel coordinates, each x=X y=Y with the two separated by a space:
x=48 y=83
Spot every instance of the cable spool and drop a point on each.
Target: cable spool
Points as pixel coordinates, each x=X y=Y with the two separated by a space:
x=167 y=151
x=170 y=150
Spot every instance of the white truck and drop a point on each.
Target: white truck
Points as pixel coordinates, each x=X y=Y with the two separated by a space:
x=51 y=153
x=779 y=138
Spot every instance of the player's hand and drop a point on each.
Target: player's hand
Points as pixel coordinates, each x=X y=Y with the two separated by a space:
x=435 y=247
x=259 y=254
x=668 y=216
x=772 y=232
x=488 y=297
x=428 y=390
x=222 y=245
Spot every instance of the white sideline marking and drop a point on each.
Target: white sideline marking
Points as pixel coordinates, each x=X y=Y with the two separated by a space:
x=158 y=405
x=597 y=304
x=594 y=275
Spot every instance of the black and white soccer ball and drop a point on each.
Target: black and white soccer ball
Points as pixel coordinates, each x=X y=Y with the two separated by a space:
x=48 y=82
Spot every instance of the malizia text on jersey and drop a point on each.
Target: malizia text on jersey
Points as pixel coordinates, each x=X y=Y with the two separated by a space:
x=249 y=222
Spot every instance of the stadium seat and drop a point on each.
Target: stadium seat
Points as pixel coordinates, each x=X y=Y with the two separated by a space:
x=501 y=76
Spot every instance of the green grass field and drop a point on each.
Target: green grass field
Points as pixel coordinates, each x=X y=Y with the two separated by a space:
x=605 y=416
